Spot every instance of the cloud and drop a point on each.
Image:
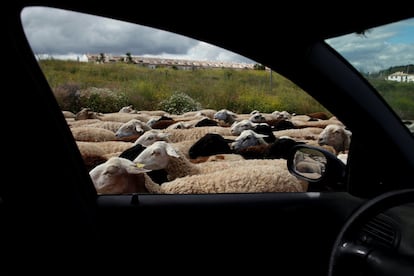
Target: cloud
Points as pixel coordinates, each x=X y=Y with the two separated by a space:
x=58 y=32
x=379 y=48
x=69 y=34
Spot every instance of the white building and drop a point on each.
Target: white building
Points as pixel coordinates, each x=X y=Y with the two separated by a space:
x=401 y=77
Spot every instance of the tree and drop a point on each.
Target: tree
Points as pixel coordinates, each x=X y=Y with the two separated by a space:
x=128 y=57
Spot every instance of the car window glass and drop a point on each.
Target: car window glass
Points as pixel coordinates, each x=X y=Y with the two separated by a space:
x=116 y=81
x=385 y=57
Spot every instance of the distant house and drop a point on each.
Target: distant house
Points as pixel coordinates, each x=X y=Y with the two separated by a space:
x=155 y=62
x=401 y=77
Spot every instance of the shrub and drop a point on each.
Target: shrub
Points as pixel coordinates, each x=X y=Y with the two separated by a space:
x=103 y=100
x=179 y=103
x=68 y=96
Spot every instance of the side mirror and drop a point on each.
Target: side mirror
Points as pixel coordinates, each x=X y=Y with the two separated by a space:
x=320 y=168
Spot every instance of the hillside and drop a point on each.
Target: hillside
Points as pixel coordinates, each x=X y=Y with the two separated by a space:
x=240 y=90
x=109 y=86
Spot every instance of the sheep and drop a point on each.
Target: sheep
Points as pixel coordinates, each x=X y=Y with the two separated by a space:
x=177 y=135
x=179 y=125
x=153 y=135
x=307 y=121
x=282 y=115
x=208 y=112
x=150 y=136
x=247 y=138
x=161 y=123
x=254 y=179
x=120 y=175
x=86 y=122
x=153 y=113
x=202 y=112
x=112 y=126
x=68 y=114
x=218 y=158
x=159 y=176
x=92 y=154
x=319 y=115
x=307 y=133
x=210 y=144
x=274 y=122
x=124 y=117
x=86 y=113
x=336 y=136
x=127 y=109
x=92 y=134
x=206 y=122
x=263 y=128
x=237 y=127
x=278 y=149
x=227 y=117
x=131 y=130
x=184 y=123
x=162 y=155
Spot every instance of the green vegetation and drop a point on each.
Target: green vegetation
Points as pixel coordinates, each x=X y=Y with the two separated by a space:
x=400 y=96
x=107 y=87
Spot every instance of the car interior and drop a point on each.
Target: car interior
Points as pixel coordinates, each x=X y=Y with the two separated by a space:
x=357 y=219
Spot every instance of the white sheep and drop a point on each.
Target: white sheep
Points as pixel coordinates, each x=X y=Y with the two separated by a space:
x=112 y=126
x=248 y=138
x=282 y=115
x=120 y=175
x=178 y=135
x=254 y=179
x=92 y=134
x=336 y=136
x=68 y=114
x=163 y=155
x=124 y=117
x=307 y=133
x=238 y=126
x=127 y=109
x=151 y=136
x=227 y=117
x=131 y=129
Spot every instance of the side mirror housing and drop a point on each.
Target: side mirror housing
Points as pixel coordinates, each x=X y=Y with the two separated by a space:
x=322 y=169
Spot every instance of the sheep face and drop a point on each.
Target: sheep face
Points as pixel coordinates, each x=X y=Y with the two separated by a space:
x=132 y=128
x=257 y=118
x=336 y=136
x=237 y=127
x=248 y=138
x=112 y=177
x=225 y=115
x=151 y=136
x=156 y=156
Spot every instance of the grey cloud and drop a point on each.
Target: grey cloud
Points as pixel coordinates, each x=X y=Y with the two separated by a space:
x=59 y=32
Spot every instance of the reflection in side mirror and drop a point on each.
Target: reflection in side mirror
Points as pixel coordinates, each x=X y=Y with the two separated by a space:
x=322 y=169
x=310 y=163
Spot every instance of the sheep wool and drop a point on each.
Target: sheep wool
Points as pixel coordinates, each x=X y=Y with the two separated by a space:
x=256 y=179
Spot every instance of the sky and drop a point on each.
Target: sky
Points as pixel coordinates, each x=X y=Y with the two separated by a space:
x=70 y=35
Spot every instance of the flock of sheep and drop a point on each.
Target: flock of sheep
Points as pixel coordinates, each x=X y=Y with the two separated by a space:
x=206 y=151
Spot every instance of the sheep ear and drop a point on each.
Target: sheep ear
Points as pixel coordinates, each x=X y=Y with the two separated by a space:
x=137 y=168
x=229 y=140
x=262 y=135
x=171 y=151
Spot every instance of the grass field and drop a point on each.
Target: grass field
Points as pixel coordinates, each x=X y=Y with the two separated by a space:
x=108 y=87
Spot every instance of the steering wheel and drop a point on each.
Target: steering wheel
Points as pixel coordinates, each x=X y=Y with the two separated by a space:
x=348 y=257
